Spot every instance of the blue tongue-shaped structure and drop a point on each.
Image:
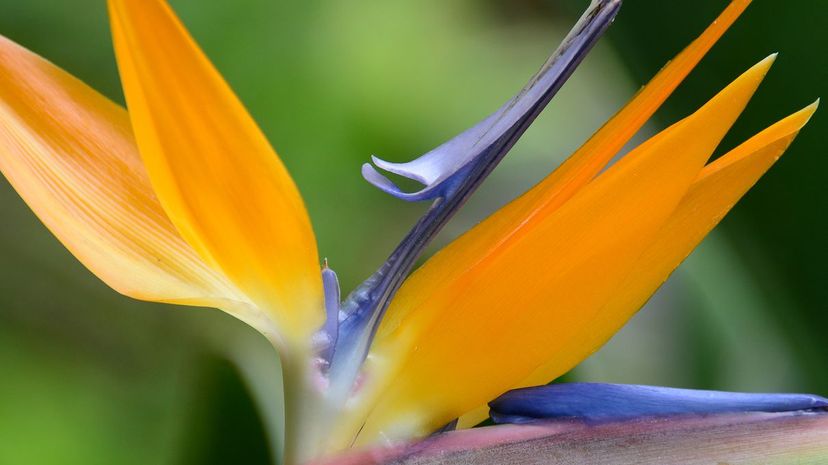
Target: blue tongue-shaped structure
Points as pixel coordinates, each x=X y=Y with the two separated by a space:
x=600 y=403
x=450 y=174
x=442 y=169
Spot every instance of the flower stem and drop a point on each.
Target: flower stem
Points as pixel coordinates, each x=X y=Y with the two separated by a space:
x=308 y=412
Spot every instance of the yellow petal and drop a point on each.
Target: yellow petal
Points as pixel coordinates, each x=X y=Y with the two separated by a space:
x=69 y=152
x=475 y=321
x=216 y=175
x=588 y=160
x=719 y=186
x=594 y=155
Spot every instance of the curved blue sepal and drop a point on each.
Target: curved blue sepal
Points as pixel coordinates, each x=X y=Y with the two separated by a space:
x=596 y=402
x=486 y=142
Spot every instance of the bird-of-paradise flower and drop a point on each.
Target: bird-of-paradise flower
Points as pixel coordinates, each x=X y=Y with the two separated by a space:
x=182 y=200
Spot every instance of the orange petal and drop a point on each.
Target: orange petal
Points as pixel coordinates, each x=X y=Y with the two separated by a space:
x=589 y=159
x=69 y=152
x=593 y=156
x=473 y=322
x=719 y=186
x=217 y=177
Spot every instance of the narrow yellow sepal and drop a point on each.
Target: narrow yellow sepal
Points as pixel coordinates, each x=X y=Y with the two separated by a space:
x=594 y=155
x=476 y=320
x=217 y=177
x=719 y=186
x=70 y=154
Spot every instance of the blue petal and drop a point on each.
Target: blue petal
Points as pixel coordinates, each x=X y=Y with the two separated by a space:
x=326 y=338
x=451 y=173
x=596 y=402
x=486 y=142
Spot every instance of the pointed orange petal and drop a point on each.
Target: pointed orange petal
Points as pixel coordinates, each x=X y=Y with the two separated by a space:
x=580 y=168
x=473 y=322
x=588 y=160
x=217 y=177
x=593 y=156
x=69 y=152
x=719 y=186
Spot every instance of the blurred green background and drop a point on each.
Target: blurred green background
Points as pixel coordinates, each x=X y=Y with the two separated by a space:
x=89 y=377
